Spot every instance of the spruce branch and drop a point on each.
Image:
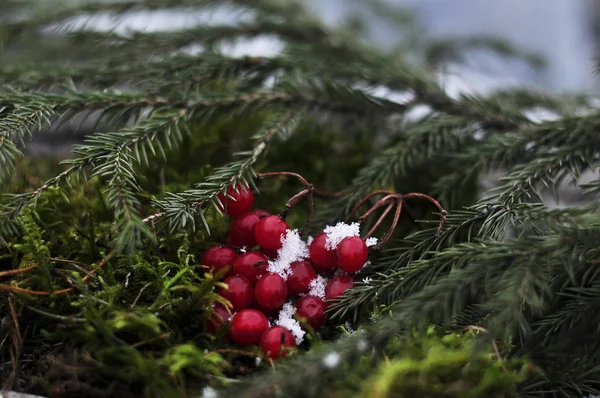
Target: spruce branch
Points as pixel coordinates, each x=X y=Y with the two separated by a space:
x=407 y=270
x=181 y=209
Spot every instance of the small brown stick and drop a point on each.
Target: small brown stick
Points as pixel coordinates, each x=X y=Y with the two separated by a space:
x=437 y=204
x=309 y=192
x=392 y=227
x=16 y=289
x=379 y=220
x=17 y=271
x=366 y=199
x=390 y=200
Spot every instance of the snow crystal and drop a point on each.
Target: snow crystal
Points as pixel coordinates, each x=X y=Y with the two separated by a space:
x=317 y=287
x=293 y=249
x=286 y=319
x=209 y=392
x=367 y=280
x=331 y=360
x=309 y=240
x=372 y=241
x=258 y=361
x=336 y=233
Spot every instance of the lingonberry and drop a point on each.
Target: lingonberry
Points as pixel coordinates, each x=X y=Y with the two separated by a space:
x=240 y=292
x=302 y=273
x=352 y=253
x=337 y=286
x=272 y=254
x=268 y=232
x=275 y=342
x=248 y=326
x=312 y=308
x=241 y=231
x=320 y=255
x=270 y=292
x=217 y=258
x=242 y=202
x=219 y=318
x=251 y=265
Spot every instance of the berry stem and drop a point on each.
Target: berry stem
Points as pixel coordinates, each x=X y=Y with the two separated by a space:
x=390 y=200
x=309 y=192
x=379 y=220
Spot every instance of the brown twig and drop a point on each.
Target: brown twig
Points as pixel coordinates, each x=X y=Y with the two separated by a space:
x=309 y=193
x=17 y=271
x=389 y=201
x=91 y=273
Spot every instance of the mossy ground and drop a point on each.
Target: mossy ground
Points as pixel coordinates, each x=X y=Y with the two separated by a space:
x=136 y=326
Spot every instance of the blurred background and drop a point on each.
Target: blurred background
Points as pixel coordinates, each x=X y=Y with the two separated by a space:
x=555 y=43
x=565 y=33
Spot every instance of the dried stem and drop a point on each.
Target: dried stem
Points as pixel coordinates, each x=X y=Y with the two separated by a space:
x=309 y=193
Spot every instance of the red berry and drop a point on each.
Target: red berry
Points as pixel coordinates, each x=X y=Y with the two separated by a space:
x=275 y=340
x=337 y=286
x=217 y=258
x=242 y=202
x=268 y=232
x=248 y=326
x=220 y=317
x=261 y=213
x=320 y=255
x=270 y=292
x=251 y=265
x=241 y=231
x=240 y=292
x=312 y=309
x=272 y=254
x=352 y=253
x=302 y=273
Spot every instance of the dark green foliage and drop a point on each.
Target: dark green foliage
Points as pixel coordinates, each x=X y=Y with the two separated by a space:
x=511 y=285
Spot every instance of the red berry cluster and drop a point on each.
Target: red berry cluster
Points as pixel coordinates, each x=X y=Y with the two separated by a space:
x=265 y=264
x=271 y=273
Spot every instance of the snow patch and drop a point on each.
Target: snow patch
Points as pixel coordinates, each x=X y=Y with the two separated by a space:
x=293 y=249
x=336 y=233
x=286 y=320
x=317 y=287
x=372 y=241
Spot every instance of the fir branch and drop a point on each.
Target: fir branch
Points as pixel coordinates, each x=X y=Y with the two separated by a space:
x=407 y=270
x=180 y=210
x=418 y=144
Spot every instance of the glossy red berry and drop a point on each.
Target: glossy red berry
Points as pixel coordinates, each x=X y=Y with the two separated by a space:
x=240 y=292
x=352 y=253
x=242 y=202
x=272 y=254
x=251 y=265
x=275 y=340
x=241 y=231
x=312 y=308
x=217 y=258
x=320 y=255
x=248 y=326
x=270 y=292
x=302 y=273
x=268 y=232
x=219 y=318
x=337 y=286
